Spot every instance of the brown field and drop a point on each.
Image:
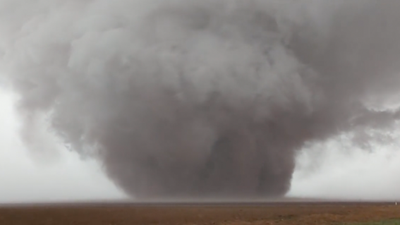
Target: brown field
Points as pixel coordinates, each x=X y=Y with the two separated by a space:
x=296 y=213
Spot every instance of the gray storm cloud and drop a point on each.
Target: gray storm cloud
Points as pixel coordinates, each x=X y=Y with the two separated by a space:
x=190 y=99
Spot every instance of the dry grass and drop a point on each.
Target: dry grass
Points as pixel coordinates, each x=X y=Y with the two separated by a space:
x=124 y=214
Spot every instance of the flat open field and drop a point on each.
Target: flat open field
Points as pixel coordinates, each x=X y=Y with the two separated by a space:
x=296 y=213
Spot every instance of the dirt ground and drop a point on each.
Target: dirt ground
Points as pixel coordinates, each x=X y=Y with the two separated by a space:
x=191 y=214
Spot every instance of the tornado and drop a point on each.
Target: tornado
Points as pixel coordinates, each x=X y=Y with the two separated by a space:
x=194 y=99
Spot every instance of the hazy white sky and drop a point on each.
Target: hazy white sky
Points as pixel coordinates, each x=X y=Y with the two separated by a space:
x=26 y=177
x=329 y=170
x=342 y=171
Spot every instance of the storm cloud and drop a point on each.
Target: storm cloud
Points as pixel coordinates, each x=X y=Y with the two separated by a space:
x=191 y=99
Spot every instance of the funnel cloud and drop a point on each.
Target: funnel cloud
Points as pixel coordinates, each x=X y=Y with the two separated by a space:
x=193 y=99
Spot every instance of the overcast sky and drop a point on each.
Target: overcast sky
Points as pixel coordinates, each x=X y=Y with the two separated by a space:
x=327 y=171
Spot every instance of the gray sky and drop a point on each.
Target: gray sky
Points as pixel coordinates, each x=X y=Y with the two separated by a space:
x=339 y=173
